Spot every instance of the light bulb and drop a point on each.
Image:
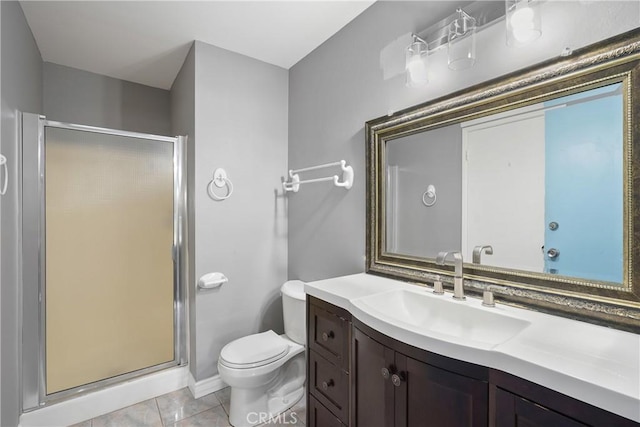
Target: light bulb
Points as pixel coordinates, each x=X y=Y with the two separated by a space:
x=522 y=16
x=417 y=71
x=416 y=63
x=523 y=23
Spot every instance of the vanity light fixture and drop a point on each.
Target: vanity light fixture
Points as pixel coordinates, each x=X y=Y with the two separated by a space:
x=416 y=62
x=458 y=33
x=523 y=21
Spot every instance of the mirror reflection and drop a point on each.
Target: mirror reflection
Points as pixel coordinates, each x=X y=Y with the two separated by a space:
x=538 y=188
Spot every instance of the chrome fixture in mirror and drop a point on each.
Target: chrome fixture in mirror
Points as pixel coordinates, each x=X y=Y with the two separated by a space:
x=555 y=203
x=477 y=252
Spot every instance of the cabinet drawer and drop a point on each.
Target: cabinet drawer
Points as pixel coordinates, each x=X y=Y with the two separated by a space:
x=319 y=416
x=329 y=336
x=330 y=385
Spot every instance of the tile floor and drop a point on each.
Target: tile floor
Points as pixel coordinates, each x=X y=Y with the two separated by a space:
x=180 y=409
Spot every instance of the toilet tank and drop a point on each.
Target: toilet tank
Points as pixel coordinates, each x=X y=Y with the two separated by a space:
x=294 y=311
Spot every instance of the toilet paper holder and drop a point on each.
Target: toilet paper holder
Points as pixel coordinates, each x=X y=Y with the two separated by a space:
x=212 y=280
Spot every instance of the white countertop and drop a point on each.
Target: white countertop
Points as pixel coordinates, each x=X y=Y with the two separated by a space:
x=594 y=364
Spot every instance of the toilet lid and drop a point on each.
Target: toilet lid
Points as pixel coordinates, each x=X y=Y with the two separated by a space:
x=254 y=350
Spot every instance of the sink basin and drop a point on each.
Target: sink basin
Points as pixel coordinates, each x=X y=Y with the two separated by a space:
x=463 y=322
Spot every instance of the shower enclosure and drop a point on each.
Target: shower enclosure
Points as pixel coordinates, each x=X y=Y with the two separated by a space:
x=103 y=256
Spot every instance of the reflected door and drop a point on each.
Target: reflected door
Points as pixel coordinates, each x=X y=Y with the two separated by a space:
x=503 y=191
x=109 y=283
x=583 y=189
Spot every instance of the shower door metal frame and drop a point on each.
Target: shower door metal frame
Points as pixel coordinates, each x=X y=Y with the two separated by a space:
x=34 y=393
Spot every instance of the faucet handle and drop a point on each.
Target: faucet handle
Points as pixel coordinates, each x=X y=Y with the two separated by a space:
x=487 y=295
x=437 y=287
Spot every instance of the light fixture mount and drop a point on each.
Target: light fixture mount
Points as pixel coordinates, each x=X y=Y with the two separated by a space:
x=484 y=13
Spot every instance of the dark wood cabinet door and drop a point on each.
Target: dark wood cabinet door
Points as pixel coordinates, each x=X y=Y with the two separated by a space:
x=433 y=397
x=514 y=411
x=319 y=416
x=373 y=392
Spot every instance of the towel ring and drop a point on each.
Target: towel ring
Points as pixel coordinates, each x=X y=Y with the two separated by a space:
x=429 y=197
x=3 y=162
x=220 y=180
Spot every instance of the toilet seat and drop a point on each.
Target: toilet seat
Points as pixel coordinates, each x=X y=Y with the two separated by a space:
x=254 y=350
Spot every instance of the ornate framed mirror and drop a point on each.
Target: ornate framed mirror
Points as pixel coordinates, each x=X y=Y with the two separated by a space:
x=534 y=177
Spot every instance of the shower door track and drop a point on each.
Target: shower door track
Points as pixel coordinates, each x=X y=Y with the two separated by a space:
x=34 y=395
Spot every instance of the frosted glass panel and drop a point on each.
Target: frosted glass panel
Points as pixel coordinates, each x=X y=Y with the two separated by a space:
x=109 y=269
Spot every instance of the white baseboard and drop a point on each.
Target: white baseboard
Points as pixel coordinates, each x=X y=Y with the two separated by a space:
x=206 y=386
x=108 y=400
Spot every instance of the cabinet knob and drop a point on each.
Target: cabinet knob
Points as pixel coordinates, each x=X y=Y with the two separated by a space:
x=396 y=380
x=326 y=385
x=326 y=336
x=385 y=373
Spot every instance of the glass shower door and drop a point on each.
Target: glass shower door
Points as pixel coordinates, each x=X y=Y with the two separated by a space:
x=109 y=272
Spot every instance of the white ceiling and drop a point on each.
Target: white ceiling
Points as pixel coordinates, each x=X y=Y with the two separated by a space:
x=147 y=41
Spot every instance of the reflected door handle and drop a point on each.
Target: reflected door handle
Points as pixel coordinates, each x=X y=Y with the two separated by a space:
x=553 y=253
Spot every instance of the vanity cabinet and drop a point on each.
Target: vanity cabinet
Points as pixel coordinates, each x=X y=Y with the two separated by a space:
x=394 y=389
x=328 y=337
x=360 y=377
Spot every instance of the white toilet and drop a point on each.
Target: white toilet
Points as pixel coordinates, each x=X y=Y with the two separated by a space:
x=267 y=371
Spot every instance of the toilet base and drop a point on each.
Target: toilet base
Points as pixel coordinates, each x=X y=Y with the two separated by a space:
x=241 y=399
x=257 y=405
x=279 y=405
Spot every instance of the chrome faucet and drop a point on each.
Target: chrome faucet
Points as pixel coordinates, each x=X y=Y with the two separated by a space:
x=477 y=252
x=458 y=288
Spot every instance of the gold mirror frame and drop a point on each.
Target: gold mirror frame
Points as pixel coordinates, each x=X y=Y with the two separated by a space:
x=613 y=60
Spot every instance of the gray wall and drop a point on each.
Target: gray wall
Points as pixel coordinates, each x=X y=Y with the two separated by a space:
x=241 y=112
x=352 y=78
x=81 y=97
x=183 y=104
x=21 y=90
x=434 y=157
